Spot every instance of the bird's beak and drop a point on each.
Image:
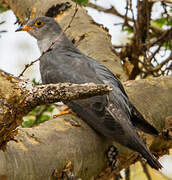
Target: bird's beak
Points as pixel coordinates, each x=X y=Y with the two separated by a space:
x=24 y=28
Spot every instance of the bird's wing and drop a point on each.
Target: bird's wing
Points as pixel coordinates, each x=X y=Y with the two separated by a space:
x=139 y=121
x=109 y=123
x=119 y=93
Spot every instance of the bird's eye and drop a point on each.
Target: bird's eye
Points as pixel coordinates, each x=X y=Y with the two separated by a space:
x=39 y=23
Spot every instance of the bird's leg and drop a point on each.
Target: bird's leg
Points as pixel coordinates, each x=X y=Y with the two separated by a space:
x=72 y=120
x=66 y=110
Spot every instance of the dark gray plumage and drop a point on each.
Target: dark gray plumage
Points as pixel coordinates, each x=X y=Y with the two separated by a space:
x=113 y=116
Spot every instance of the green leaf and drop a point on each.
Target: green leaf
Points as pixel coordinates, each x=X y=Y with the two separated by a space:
x=38 y=115
x=128 y=29
x=159 y=22
x=44 y=117
x=50 y=108
x=166 y=45
x=36 y=82
x=28 y=121
x=81 y=2
x=169 y=23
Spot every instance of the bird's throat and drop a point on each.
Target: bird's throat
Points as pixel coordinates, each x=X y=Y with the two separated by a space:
x=44 y=44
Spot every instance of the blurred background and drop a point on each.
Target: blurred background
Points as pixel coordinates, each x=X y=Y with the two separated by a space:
x=18 y=49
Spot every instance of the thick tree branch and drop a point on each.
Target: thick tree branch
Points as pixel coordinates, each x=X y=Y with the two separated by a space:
x=48 y=146
x=18 y=97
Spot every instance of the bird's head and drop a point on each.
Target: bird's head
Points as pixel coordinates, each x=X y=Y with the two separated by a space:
x=41 y=28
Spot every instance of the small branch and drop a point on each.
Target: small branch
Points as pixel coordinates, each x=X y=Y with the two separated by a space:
x=154 y=53
x=145 y=169
x=51 y=93
x=74 y=14
x=127 y=173
x=118 y=46
x=27 y=66
x=111 y=10
x=165 y=35
x=158 y=67
x=18 y=97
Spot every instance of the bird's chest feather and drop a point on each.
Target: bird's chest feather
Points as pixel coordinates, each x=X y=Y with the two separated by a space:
x=66 y=67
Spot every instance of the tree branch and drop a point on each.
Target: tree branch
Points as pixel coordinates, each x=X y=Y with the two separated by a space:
x=82 y=145
x=18 y=97
x=51 y=93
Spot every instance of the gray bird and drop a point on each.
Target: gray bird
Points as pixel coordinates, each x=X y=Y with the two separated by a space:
x=113 y=116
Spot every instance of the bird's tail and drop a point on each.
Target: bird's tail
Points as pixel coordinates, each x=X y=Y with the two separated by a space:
x=151 y=160
x=146 y=154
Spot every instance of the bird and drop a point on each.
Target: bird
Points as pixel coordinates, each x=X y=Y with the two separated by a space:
x=113 y=115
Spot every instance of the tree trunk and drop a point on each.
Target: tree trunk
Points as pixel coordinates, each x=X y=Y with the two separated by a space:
x=37 y=152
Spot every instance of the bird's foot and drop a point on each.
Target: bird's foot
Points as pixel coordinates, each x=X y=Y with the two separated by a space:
x=112 y=154
x=65 y=111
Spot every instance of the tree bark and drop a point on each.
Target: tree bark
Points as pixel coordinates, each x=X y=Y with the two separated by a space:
x=18 y=97
x=36 y=152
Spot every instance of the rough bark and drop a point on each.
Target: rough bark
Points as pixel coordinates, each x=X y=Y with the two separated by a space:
x=18 y=97
x=37 y=152
x=94 y=40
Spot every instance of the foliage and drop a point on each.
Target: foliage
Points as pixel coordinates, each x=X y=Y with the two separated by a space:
x=38 y=115
x=160 y=22
x=149 y=38
x=128 y=29
x=81 y=2
x=35 y=82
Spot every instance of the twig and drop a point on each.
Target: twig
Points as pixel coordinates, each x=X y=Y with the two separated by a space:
x=126 y=15
x=145 y=170
x=165 y=35
x=158 y=67
x=154 y=53
x=111 y=10
x=52 y=44
x=27 y=66
x=132 y=12
x=118 y=46
x=76 y=10
x=127 y=173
